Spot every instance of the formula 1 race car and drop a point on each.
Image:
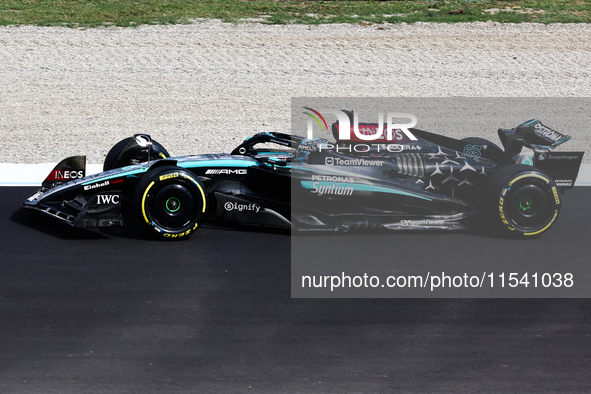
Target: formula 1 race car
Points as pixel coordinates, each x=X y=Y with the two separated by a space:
x=426 y=182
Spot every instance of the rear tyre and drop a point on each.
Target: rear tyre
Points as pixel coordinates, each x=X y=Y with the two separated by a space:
x=172 y=201
x=115 y=160
x=525 y=201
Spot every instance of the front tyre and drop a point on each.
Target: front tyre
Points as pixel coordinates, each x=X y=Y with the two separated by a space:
x=172 y=201
x=525 y=200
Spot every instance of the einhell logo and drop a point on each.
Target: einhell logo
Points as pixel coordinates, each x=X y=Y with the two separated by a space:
x=395 y=132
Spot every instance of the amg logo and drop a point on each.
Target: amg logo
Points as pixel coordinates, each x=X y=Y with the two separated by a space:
x=96 y=185
x=103 y=199
x=225 y=171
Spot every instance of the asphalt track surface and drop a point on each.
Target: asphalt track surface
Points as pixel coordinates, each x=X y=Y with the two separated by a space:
x=111 y=312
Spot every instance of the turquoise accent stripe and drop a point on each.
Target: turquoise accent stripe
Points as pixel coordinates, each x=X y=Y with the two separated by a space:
x=217 y=163
x=365 y=188
x=117 y=175
x=324 y=171
x=181 y=164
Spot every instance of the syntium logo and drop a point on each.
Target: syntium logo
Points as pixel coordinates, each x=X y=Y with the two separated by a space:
x=321 y=188
x=398 y=132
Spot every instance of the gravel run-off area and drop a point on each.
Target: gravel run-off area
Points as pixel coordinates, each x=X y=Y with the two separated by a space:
x=204 y=87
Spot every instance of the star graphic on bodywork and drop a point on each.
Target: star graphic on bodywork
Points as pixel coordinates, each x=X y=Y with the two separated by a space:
x=437 y=170
x=451 y=176
x=467 y=167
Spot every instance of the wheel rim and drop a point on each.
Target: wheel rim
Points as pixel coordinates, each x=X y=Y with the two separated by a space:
x=173 y=204
x=531 y=206
x=173 y=207
x=525 y=203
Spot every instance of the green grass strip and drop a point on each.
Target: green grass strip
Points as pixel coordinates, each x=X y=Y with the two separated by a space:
x=91 y=13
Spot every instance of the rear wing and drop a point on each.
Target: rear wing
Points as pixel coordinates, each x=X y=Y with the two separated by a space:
x=534 y=135
x=533 y=143
x=537 y=135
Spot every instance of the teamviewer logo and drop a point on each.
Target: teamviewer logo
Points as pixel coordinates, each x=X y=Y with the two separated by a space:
x=329 y=161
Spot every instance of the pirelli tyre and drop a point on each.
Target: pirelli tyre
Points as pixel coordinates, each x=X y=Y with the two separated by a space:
x=172 y=201
x=115 y=159
x=525 y=201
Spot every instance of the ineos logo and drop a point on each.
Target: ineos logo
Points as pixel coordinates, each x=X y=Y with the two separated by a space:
x=57 y=175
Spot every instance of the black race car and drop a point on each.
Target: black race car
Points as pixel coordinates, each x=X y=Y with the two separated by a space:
x=429 y=182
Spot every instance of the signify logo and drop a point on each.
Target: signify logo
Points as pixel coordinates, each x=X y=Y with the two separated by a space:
x=234 y=206
x=394 y=131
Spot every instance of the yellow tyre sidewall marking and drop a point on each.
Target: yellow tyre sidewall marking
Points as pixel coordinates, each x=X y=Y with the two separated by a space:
x=144 y=201
x=529 y=175
x=556 y=197
x=201 y=190
x=545 y=228
x=502 y=214
x=169 y=176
